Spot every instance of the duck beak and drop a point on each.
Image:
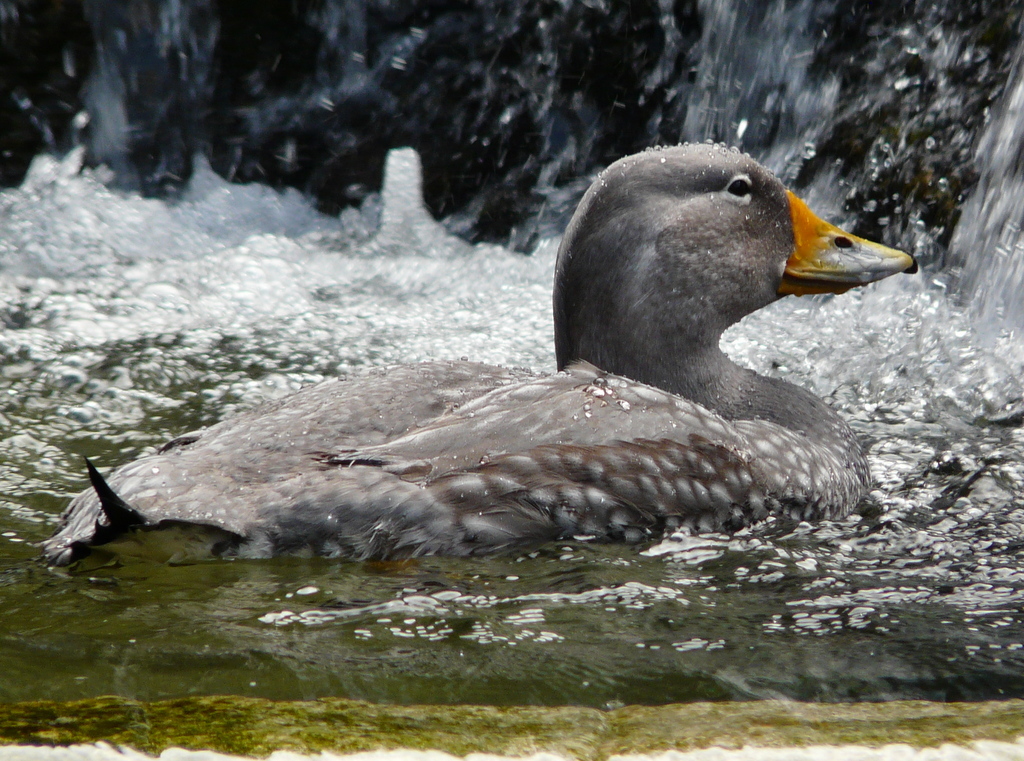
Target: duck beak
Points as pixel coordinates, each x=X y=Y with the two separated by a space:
x=826 y=259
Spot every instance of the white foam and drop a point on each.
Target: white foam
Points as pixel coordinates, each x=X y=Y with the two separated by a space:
x=95 y=266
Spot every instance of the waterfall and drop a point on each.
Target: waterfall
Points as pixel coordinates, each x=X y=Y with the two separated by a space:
x=987 y=244
x=753 y=89
x=150 y=87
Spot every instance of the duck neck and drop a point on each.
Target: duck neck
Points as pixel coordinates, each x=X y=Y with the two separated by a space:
x=707 y=376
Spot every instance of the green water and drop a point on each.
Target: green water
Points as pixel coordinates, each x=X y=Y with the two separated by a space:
x=596 y=626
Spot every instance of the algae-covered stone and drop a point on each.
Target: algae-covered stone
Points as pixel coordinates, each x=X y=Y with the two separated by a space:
x=110 y=719
x=257 y=727
x=783 y=723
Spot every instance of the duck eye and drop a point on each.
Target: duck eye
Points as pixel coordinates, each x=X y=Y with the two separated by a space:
x=739 y=187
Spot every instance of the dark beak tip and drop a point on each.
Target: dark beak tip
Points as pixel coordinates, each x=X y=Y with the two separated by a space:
x=913 y=268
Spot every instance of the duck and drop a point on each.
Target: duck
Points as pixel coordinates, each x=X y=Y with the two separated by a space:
x=647 y=426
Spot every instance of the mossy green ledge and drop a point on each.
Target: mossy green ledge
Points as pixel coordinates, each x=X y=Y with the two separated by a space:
x=257 y=727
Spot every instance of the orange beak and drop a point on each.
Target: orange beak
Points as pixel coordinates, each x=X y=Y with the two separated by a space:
x=826 y=259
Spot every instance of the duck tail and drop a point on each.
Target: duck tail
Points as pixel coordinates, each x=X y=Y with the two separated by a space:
x=120 y=515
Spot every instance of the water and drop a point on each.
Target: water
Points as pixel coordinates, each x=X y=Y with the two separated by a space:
x=237 y=294
x=126 y=320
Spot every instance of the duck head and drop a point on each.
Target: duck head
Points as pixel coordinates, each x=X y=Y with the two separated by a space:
x=670 y=247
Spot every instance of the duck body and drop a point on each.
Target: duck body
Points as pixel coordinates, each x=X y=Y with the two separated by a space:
x=647 y=426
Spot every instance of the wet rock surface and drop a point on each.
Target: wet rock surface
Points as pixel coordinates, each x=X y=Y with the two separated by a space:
x=509 y=103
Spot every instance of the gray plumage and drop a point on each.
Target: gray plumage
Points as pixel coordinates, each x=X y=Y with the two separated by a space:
x=460 y=458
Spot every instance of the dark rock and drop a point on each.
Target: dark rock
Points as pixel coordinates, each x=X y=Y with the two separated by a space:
x=916 y=82
x=45 y=49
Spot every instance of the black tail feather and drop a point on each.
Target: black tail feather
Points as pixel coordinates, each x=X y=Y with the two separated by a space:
x=120 y=515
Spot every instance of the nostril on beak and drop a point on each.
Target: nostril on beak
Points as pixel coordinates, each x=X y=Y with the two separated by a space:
x=842 y=241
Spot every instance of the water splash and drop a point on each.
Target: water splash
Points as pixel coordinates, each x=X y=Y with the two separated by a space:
x=67 y=221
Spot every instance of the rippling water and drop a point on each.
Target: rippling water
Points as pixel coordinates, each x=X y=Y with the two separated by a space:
x=124 y=321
